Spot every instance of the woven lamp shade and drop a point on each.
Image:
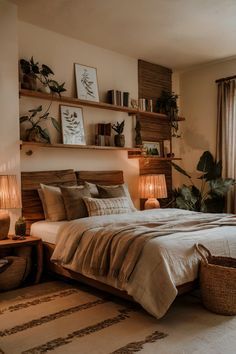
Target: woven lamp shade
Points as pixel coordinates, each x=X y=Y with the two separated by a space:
x=9 y=199
x=152 y=187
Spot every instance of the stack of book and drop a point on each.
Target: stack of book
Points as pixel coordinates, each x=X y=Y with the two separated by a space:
x=118 y=98
x=145 y=105
x=103 y=134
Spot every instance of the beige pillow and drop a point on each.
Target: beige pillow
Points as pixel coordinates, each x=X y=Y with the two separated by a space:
x=107 y=206
x=92 y=189
x=41 y=197
x=120 y=190
x=73 y=201
x=54 y=203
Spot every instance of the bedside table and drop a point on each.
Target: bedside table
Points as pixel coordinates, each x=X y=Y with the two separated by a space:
x=28 y=241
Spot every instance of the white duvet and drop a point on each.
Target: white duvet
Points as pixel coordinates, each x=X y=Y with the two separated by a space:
x=165 y=262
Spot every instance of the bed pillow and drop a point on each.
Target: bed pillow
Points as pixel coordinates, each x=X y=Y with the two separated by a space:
x=41 y=197
x=73 y=201
x=108 y=206
x=53 y=203
x=120 y=190
x=92 y=189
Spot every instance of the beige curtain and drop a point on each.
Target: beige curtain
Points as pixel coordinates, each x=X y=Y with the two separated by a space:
x=226 y=135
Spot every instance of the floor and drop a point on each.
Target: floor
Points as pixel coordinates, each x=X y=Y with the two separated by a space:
x=59 y=317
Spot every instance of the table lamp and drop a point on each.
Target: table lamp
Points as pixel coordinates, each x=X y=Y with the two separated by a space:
x=9 y=199
x=152 y=187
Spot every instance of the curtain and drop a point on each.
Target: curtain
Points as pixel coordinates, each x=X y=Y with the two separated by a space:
x=226 y=135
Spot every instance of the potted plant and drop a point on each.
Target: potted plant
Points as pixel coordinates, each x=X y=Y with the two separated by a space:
x=167 y=104
x=210 y=197
x=119 y=138
x=33 y=72
x=20 y=226
x=34 y=131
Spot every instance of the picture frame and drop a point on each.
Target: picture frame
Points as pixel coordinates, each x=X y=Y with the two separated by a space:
x=86 y=82
x=152 y=148
x=72 y=125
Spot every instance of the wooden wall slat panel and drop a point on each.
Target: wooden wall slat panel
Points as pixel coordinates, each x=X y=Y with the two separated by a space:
x=152 y=80
x=100 y=177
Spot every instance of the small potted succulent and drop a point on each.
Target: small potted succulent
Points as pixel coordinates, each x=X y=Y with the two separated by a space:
x=119 y=138
x=20 y=227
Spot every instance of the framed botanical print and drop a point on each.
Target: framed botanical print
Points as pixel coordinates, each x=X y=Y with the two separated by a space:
x=86 y=82
x=72 y=125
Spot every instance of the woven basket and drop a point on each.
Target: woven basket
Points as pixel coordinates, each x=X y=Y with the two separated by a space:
x=217 y=282
x=13 y=274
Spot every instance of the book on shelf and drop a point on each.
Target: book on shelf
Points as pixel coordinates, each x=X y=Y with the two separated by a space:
x=103 y=134
x=126 y=99
x=118 y=98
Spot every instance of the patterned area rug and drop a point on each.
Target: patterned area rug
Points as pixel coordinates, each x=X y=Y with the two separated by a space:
x=63 y=318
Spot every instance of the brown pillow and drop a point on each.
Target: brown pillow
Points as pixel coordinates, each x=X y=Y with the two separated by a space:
x=115 y=191
x=73 y=200
x=41 y=197
x=53 y=203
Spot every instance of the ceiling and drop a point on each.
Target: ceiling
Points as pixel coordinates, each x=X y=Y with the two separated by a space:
x=174 y=33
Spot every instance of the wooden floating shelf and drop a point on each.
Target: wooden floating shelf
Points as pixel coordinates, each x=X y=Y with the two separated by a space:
x=81 y=147
x=133 y=156
x=100 y=105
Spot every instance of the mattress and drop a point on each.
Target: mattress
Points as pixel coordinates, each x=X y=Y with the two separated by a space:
x=46 y=230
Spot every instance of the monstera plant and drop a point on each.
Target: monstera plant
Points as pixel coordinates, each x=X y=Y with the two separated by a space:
x=210 y=197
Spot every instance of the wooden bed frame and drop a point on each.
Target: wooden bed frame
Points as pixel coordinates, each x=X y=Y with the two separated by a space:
x=32 y=211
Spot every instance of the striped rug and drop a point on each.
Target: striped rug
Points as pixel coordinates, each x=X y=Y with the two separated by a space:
x=62 y=318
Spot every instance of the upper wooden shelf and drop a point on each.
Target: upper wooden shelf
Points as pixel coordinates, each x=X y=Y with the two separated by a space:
x=100 y=105
x=70 y=146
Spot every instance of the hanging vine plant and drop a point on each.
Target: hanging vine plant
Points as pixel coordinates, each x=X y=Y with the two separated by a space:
x=167 y=104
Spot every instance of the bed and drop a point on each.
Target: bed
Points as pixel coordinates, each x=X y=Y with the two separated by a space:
x=167 y=265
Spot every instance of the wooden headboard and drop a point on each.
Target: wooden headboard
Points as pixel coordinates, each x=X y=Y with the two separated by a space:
x=32 y=208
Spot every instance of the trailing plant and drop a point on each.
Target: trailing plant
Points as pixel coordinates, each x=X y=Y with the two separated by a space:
x=41 y=73
x=35 y=118
x=167 y=104
x=210 y=197
x=119 y=127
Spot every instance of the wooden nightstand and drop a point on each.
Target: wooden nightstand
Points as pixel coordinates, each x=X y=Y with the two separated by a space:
x=28 y=241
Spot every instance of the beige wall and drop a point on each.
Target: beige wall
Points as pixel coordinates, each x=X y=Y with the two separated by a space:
x=9 y=102
x=198 y=98
x=114 y=71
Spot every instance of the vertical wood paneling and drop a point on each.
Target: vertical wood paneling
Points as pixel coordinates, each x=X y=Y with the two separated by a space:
x=152 y=80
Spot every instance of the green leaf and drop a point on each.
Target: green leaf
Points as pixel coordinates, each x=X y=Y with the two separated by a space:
x=179 y=169
x=206 y=162
x=56 y=124
x=24 y=119
x=213 y=205
x=44 y=134
x=221 y=186
x=46 y=70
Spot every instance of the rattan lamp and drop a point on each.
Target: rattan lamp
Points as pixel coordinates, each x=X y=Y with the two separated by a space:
x=9 y=199
x=152 y=187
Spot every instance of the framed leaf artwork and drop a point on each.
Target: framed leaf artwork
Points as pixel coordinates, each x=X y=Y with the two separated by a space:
x=86 y=83
x=72 y=125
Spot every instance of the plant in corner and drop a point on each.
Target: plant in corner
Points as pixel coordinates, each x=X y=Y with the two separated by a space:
x=210 y=197
x=35 y=132
x=32 y=72
x=167 y=104
x=119 y=137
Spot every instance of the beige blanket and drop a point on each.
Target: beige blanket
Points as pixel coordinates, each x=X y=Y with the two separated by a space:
x=111 y=248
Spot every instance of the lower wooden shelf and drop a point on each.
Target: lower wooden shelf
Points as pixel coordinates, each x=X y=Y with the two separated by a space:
x=133 y=156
